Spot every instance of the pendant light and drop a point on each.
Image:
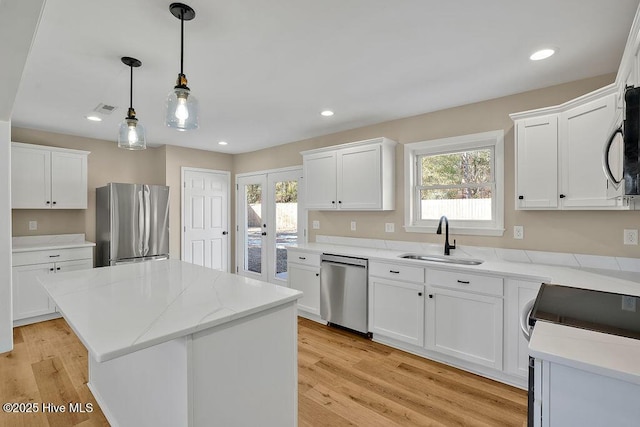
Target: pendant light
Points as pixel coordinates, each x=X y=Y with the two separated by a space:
x=182 y=106
x=131 y=135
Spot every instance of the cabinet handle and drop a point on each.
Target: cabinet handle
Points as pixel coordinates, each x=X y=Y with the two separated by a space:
x=48 y=202
x=562 y=196
x=51 y=269
x=520 y=197
x=302 y=257
x=419 y=294
x=394 y=272
x=54 y=256
x=264 y=233
x=54 y=203
x=58 y=268
x=339 y=201
x=464 y=282
x=333 y=202
x=430 y=295
x=224 y=233
x=317 y=274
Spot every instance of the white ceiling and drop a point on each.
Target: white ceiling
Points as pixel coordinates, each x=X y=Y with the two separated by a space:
x=263 y=70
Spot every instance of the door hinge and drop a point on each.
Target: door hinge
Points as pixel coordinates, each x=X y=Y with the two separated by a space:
x=236 y=269
x=185 y=228
x=237 y=187
x=237 y=228
x=184 y=184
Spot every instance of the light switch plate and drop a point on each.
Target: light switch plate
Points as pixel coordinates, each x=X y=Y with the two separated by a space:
x=316 y=225
x=389 y=227
x=353 y=226
x=33 y=225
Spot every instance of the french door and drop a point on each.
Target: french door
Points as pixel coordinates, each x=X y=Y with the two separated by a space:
x=270 y=218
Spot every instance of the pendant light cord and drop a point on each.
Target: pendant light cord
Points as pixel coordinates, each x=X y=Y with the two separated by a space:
x=131 y=88
x=182 y=41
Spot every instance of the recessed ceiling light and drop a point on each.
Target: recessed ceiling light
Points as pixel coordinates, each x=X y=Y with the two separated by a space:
x=223 y=143
x=542 y=54
x=93 y=118
x=327 y=113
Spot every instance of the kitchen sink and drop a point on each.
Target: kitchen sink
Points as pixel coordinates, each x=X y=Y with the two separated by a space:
x=442 y=258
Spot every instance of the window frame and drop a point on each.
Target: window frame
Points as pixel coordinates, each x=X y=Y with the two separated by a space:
x=493 y=140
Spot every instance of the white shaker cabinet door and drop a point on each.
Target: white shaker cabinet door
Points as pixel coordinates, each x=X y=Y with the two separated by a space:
x=396 y=310
x=29 y=297
x=320 y=180
x=359 y=178
x=537 y=163
x=465 y=325
x=306 y=279
x=583 y=133
x=30 y=178
x=68 y=180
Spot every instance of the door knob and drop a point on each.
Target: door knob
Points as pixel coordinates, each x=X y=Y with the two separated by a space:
x=224 y=233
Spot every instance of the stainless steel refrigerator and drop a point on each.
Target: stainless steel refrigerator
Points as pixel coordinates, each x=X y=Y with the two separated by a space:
x=132 y=223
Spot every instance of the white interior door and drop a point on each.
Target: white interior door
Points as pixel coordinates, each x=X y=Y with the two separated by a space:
x=271 y=218
x=205 y=218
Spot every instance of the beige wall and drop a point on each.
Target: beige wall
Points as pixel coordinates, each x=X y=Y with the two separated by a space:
x=107 y=163
x=589 y=232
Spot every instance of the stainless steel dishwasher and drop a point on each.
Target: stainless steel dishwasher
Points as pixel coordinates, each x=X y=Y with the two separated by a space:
x=343 y=291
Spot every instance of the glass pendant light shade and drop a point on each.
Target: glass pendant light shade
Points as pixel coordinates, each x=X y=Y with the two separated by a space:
x=132 y=135
x=182 y=109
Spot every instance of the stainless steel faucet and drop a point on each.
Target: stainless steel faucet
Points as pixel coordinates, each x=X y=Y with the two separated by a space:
x=447 y=246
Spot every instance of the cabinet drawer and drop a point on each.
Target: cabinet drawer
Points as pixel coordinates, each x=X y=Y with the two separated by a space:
x=304 y=258
x=397 y=272
x=464 y=281
x=41 y=257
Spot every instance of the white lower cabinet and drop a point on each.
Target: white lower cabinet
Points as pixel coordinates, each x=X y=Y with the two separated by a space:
x=397 y=310
x=304 y=275
x=462 y=322
x=30 y=300
x=306 y=279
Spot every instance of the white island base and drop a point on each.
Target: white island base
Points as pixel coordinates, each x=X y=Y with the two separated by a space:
x=240 y=373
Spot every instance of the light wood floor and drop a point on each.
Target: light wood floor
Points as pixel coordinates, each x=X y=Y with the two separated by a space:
x=343 y=380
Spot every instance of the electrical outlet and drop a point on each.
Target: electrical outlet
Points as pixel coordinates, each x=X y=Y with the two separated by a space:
x=316 y=225
x=33 y=225
x=630 y=237
x=353 y=226
x=389 y=227
x=518 y=232
x=628 y=303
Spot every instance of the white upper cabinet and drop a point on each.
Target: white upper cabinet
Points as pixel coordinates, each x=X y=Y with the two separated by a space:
x=583 y=133
x=559 y=152
x=537 y=162
x=48 y=177
x=355 y=176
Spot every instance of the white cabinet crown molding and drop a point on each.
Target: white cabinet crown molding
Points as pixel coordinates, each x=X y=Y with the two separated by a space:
x=557 y=109
x=382 y=140
x=46 y=147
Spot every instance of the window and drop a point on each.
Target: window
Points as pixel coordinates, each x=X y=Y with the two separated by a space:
x=461 y=178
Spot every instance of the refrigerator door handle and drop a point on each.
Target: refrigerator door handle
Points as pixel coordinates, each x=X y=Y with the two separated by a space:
x=140 y=223
x=147 y=219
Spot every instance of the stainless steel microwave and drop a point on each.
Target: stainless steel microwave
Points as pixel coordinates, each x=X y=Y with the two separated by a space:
x=627 y=126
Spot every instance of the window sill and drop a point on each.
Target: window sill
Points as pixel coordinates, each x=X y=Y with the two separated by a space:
x=475 y=231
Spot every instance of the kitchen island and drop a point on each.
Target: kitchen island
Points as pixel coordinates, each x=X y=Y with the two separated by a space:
x=175 y=344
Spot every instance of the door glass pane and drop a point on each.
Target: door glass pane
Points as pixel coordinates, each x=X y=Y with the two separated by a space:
x=253 y=225
x=286 y=210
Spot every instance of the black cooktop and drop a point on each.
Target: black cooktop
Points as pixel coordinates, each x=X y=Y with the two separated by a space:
x=599 y=311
